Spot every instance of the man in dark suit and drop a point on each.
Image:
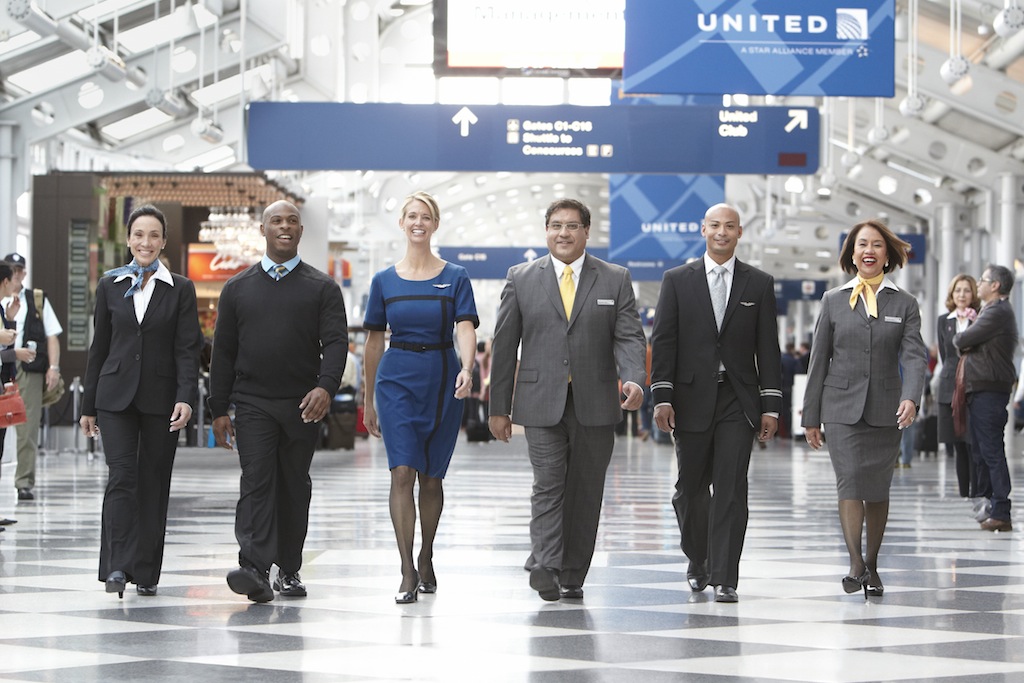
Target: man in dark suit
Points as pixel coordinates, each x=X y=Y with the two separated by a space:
x=279 y=352
x=576 y=319
x=716 y=379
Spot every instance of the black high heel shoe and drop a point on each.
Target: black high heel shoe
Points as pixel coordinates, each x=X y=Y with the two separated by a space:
x=145 y=590
x=115 y=583
x=428 y=586
x=874 y=588
x=405 y=597
x=852 y=584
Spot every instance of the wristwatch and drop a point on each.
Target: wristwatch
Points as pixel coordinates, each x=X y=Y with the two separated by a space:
x=55 y=368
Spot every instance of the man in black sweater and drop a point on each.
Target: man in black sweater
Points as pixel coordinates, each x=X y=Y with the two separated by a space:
x=279 y=351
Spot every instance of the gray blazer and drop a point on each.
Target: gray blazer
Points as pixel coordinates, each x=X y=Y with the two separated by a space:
x=602 y=342
x=864 y=367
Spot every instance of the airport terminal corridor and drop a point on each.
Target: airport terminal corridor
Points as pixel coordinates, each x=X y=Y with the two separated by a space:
x=953 y=608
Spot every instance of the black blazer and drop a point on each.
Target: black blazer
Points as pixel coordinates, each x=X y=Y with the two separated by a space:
x=686 y=346
x=949 y=355
x=8 y=370
x=154 y=364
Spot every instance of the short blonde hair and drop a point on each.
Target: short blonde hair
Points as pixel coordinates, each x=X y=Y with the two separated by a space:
x=427 y=199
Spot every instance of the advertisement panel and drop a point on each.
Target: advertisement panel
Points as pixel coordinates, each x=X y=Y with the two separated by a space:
x=761 y=47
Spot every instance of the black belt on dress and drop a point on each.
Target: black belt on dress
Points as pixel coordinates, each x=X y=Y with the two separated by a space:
x=420 y=348
x=720 y=376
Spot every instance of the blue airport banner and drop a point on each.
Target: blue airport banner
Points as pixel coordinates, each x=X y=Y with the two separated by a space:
x=656 y=218
x=800 y=290
x=565 y=138
x=761 y=47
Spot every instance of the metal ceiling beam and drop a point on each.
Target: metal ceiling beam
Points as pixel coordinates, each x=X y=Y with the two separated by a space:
x=980 y=102
x=944 y=153
x=64 y=111
x=864 y=176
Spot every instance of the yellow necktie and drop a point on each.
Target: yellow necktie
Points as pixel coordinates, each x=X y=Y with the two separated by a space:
x=869 y=293
x=567 y=290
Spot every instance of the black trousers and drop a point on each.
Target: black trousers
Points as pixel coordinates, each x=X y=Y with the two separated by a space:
x=275 y=449
x=713 y=527
x=139 y=451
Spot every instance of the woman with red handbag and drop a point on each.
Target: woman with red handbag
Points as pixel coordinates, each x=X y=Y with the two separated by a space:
x=8 y=355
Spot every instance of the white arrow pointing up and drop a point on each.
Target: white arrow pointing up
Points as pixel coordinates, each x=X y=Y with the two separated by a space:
x=464 y=119
x=798 y=119
x=530 y=254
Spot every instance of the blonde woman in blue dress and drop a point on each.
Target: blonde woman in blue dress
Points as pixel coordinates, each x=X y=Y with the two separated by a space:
x=413 y=392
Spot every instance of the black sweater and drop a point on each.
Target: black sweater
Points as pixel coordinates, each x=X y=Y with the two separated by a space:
x=277 y=339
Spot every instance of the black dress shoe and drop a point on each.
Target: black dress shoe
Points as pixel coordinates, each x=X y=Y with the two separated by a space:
x=544 y=580
x=26 y=494
x=148 y=591
x=572 y=592
x=726 y=594
x=252 y=583
x=698 y=577
x=289 y=585
x=115 y=583
x=5 y=522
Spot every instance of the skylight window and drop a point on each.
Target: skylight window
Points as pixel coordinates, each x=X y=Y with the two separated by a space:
x=52 y=73
x=135 y=124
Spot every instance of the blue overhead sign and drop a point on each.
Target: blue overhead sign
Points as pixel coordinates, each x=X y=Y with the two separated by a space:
x=761 y=47
x=436 y=137
x=658 y=217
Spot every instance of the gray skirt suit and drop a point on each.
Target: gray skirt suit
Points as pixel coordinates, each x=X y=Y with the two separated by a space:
x=861 y=369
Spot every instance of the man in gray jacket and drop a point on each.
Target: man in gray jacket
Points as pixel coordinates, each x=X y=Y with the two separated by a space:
x=988 y=346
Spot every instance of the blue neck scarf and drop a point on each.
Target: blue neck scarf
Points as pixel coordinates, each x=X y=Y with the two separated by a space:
x=135 y=270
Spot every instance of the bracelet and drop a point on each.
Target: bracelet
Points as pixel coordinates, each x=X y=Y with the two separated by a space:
x=469 y=370
x=55 y=368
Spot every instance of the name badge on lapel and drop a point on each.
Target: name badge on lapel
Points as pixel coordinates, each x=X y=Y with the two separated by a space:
x=893 y=319
x=606 y=302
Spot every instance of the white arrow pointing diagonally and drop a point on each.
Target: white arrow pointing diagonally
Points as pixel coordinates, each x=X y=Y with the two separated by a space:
x=798 y=119
x=465 y=118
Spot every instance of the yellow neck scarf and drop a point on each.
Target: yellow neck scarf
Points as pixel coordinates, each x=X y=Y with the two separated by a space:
x=867 y=286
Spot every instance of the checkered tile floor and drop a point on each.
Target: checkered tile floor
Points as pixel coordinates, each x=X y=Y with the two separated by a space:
x=953 y=607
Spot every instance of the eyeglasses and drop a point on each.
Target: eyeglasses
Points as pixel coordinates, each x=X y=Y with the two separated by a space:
x=571 y=227
x=985 y=279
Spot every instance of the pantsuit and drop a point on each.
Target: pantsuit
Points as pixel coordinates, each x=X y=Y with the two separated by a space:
x=723 y=516
x=570 y=427
x=275 y=450
x=568 y=489
x=136 y=373
x=136 y=499
x=719 y=383
x=966 y=472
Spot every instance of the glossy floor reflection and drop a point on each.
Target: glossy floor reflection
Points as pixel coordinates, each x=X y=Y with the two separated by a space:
x=953 y=607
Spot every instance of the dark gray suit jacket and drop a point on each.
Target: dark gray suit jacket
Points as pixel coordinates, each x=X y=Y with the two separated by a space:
x=602 y=342
x=864 y=367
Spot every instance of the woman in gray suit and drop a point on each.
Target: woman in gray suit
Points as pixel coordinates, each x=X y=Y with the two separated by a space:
x=865 y=379
x=963 y=305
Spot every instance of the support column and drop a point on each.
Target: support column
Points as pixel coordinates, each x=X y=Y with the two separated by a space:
x=1011 y=213
x=8 y=200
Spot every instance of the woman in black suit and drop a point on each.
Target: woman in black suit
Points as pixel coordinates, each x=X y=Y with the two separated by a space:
x=963 y=305
x=143 y=367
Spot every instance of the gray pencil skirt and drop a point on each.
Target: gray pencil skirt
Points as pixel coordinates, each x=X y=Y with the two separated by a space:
x=863 y=458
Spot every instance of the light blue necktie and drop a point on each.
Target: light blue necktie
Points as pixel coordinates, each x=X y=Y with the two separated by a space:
x=280 y=271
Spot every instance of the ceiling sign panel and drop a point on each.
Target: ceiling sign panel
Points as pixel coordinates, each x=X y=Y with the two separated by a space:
x=760 y=47
x=435 y=137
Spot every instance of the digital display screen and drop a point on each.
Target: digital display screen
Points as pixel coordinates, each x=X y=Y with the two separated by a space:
x=529 y=37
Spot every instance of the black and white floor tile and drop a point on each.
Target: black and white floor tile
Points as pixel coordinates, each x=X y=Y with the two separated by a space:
x=953 y=608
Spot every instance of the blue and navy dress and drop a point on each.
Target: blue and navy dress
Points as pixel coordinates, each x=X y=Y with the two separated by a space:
x=418 y=413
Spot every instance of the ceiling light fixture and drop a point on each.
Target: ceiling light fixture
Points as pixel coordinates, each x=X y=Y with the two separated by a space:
x=106 y=63
x=167 y=102
x=207 y=130
x=1009 y=20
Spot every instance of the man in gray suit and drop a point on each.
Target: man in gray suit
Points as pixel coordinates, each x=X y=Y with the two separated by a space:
x=576 y=321
x=716 y=379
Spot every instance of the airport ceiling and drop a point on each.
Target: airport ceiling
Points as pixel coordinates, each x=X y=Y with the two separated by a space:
x=78 y=81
